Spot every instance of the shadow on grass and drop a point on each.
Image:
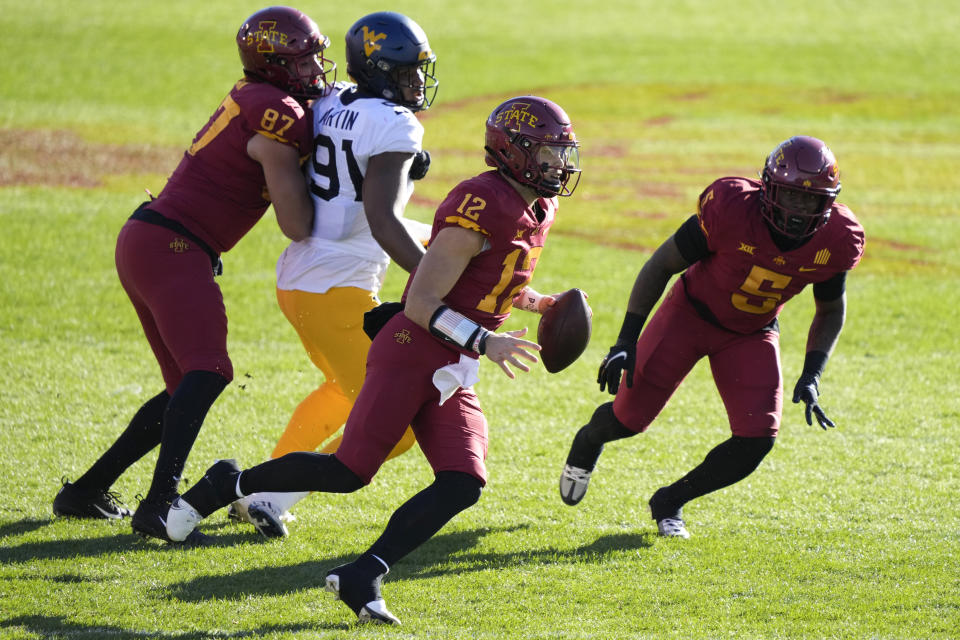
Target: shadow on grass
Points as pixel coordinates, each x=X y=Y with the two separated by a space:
x=442 y=555
x=21 y=527
x=56 y=626
x=88 y=547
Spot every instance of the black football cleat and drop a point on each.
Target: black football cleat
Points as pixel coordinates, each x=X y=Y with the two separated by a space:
x=359 y=588
x=100 y=504
x=150 y=521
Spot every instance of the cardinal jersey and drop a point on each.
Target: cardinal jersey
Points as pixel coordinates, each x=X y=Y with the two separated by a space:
x=399 y=387
x=746 y=279
x=514 y=236
x=218 y=191
x=349 y=128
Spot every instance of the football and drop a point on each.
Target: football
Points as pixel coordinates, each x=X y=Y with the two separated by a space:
x=564 y=330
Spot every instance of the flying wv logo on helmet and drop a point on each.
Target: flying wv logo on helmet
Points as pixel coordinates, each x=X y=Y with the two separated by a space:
x=370 y=40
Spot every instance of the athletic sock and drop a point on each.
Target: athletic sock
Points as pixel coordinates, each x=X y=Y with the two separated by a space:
x=182 y=420
x=300 y=471
x=728 y=463
x=588 y=443
x=138 y=439
x=423 y=515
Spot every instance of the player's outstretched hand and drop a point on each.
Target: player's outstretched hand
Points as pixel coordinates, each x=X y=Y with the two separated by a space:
x=808 y=392
x=507 y=348
x=622 y=357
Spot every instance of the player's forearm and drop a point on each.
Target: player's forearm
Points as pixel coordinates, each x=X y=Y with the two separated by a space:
x=826 y=325
x=294 y=215
x=391 y=234
x=420 y=308
x=654 y=276
x=647 y=288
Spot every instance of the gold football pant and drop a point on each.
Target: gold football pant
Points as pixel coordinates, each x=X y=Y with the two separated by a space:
x=330 y=325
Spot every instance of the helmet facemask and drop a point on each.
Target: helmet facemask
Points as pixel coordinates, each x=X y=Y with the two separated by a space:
x=310 y=75
x=549 y=167
x=796 y=213
x=800 y=183
x=420 y=78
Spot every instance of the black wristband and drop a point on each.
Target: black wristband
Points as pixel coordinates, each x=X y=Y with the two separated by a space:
x=482 y=342
x=814 y=363
x=630 y=329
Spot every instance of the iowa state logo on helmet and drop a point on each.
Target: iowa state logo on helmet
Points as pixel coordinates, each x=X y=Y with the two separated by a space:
x=518 y=113
x=266 y=36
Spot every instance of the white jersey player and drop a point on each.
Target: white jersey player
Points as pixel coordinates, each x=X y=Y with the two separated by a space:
x=367 y=150
x=350 y=128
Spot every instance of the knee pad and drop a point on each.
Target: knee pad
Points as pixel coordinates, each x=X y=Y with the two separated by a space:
x=342 y=479
x=457 y=489
x=604 y=426
x=751 y=450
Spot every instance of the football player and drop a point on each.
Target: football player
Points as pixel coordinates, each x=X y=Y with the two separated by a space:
x=244 y=159
x=752 y=245
x=368 y=143
x=487 y=236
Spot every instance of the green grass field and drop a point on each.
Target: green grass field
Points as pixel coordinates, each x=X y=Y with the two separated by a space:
x=853 y=533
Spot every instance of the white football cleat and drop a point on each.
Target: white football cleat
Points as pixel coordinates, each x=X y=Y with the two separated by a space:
x=573 y=484
x=672 y=528
x=271 y=511
x=237 y=511
x=182 y=519
x=376 y=611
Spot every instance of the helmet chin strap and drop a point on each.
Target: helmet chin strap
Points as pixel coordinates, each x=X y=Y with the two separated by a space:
x=544 y=192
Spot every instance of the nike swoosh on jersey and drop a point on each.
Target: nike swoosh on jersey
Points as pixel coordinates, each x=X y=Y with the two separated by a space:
x=807 y=269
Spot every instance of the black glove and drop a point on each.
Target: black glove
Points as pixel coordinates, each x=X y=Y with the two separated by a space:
x=807 y=391
x=420 y=166
x=622 y=357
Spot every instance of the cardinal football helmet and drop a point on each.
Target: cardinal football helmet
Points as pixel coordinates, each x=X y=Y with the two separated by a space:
x=284 y=47
x=801 y=164
x=531 y=140
x=388 y=51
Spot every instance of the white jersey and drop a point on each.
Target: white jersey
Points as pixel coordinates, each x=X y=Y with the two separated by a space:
x=348 y=129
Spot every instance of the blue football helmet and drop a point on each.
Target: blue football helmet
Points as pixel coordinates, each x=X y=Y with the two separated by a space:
x=387 y=52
